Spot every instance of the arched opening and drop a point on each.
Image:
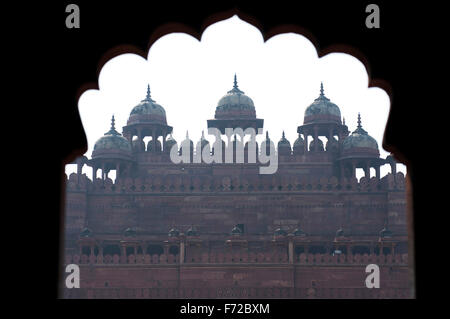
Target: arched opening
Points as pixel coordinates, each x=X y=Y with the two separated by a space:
x=299 y=250
x=111 y=250
x=174 y=250
x=317 y=249
x=361 y=250
x=86 y=250
x=154 y=250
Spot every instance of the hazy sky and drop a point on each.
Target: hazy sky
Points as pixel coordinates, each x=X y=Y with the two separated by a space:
x=188 y=77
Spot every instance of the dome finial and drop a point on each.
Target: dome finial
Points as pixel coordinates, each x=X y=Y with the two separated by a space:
x=235 y=82
x=283 y=135
x=267 y=135
x=359 y=120
x=148 y=97
x=187 y=135
x=321 y=88
x=113 y=123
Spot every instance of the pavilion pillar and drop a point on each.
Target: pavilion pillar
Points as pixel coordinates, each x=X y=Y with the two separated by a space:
x=306 y=142
x=353 y=169
x=291 y=250
x=316 y=144
x=367 y=171
x=117 y=170
x=377 y=169
x=154 y=140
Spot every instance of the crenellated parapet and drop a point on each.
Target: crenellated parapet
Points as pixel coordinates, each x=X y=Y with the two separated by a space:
x=235 y=184
x=242 y=258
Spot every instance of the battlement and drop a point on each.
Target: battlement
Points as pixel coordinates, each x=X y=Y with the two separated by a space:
x=235 y=184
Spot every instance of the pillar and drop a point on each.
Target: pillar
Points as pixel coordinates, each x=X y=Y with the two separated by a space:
x=316 y=144
x=94 y=172
x=117 y=170
x=182 y=251
x=353 y=169
x=377 y=169
x=367 y=171
x=291 y=251
x=306 y=142
x=154 y=140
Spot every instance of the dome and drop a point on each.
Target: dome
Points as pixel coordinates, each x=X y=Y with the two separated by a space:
x=235 y=105
x=340 y=232
x=236 y=231
x=86 y=232
x=299 y=145
x=299 y=232
x=112 y=144
x=385 y=233
x=150 y=146
x=312 y=145
x=279 y=232
x=203 y=142
x=192 y=231
x=322 y=110
x=129 y=232
x=332 y=145
x=185 y=144
x=174 y=232
x=284 y=146
x=169 y=143
x=359 y=143
x=147 y=111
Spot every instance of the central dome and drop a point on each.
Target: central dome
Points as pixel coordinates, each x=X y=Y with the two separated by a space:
x=235 y=105
x=322 y=110
x=147 y=111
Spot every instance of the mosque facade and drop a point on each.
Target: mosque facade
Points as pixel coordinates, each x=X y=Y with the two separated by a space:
x=197 y=229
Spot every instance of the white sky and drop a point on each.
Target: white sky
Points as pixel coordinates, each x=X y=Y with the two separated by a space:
x=188 y=77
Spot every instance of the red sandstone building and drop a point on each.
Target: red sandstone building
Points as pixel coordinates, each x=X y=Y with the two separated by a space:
x=222 y=230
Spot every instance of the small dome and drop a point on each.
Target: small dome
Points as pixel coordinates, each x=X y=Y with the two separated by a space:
x=173 y=232
x=312 y=145
x=147 y=111
x=279 y=232
x=299 y=232
x=385 y=233
x=332 y=145
x=340 y=232
x=236 y=231
x=129 y=232
x=112 y=144
x=322 y=110
x=185 y=142
x=359 y=143
x=203 y=142
x=284 y=146
x=169 y=143
x=299 y=145
x=267 y=144
x=192 y=231
x=86 y=232
x=235 y=105
x=150 y=146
